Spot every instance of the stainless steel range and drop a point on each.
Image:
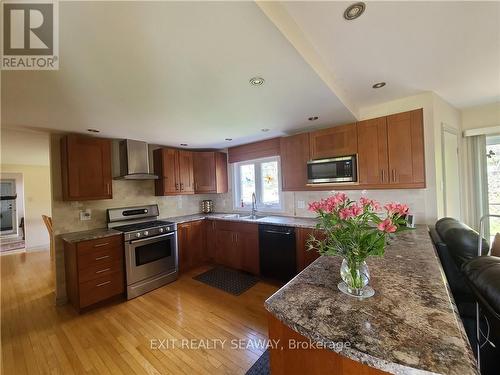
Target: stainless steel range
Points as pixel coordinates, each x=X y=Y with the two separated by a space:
x=150 y=247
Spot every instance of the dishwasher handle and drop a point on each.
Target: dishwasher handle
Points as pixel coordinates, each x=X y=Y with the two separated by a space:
x=289 y=233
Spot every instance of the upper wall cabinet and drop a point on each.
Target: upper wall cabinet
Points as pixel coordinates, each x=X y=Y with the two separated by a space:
x=391 y=151
x=86 y=168
x=373 y=162
x=294 y=157
x=210 y=172
x=337 y=141
x=175 y=171
x=405 y=145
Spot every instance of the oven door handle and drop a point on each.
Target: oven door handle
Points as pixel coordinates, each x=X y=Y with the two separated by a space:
x=153 y=238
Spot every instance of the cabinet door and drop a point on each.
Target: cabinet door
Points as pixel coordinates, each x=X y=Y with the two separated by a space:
x=248 y=246
x=166 y=167
x=406 y=147
x=336 y=141
x=185 y=170
x=197 y=243
x=373 y=167
x=210 y=239
x=86 y=168
x=204 y=172
x=226 y=252
x=183 y=233
x=294 y=157
x=305 y=257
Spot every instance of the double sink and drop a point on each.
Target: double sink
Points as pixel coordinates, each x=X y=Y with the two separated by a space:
x=244 y=217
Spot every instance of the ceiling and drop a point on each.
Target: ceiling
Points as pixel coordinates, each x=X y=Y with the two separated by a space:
x=171 y=73
x=449 y=47
x=177 y=72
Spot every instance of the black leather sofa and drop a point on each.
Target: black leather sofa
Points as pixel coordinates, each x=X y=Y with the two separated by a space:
x=457 y=247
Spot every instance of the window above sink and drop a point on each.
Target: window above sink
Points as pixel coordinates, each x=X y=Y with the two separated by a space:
x=259 y=176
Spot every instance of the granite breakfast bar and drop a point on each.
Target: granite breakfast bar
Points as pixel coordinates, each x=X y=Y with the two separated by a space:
x=410 y=326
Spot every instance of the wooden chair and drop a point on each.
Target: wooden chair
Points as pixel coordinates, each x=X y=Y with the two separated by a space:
x=48 y=223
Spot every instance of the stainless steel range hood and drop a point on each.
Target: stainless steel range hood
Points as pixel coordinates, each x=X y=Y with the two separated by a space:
x=134 y=161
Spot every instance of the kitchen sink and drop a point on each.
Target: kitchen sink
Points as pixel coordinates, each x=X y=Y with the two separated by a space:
x=232 y=216
x=252 y=217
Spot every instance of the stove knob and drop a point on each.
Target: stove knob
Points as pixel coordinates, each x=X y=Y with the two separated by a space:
x=161 y=230
x=137 y=234
x=146 y=232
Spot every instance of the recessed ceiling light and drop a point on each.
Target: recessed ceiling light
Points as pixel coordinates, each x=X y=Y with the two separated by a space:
x=313 y=118
x=229 y=139
x=184 y=144
x=257 y=81
x=355 y=10
x=93 y=130
x=378 y=85
x=264 y=130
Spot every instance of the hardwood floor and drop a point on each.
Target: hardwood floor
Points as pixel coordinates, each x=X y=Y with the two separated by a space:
x=40 y=338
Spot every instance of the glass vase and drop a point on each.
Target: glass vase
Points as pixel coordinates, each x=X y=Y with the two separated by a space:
x=355 y=276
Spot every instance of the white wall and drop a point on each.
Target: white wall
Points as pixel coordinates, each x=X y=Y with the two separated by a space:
x=482 y=116
x=27 y=153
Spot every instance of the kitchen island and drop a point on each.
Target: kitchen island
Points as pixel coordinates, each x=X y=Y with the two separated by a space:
x=410 y=326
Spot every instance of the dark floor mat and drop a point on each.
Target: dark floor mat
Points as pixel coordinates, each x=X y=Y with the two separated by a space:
x=261 y=367
x=228 y=280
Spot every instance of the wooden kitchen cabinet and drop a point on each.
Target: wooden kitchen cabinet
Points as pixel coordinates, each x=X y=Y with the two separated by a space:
x=405 y=145
x=331 y=142
x=237 y=246
x=210 y=172
x=191 y=245
x=94 y=270
x=294 y=157
x=305 y=257
x=175 y=171
x=210 y=230
x=373 y=162
x=85 y=168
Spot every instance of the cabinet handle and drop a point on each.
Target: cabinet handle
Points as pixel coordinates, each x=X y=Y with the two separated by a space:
x=104 y=270
x=182 y=185
x=101 y=244
x=103 y=257
x=108 y=188
x=382 y=172
x=104 y=283
x=393 y=175
x=176 y=186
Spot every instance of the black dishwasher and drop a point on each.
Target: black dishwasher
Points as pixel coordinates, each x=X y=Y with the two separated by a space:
x=277 y=252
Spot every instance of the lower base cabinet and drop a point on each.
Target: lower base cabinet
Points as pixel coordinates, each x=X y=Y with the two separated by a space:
x=191 y=239
x=305 y=257
x=237 y=246
x=94 y=270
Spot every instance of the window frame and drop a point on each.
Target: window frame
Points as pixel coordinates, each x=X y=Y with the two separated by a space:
x=261 y=207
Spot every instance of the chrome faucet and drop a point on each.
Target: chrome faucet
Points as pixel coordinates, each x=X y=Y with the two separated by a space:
x=254 y=205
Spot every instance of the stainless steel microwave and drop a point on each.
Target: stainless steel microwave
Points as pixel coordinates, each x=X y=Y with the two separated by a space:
x=332 y=170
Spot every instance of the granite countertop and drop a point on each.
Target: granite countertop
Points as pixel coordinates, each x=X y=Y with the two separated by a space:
x=299 y=222
x=87 y=235
x=410 y=326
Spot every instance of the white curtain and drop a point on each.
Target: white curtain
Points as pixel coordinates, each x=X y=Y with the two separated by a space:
x=475 y=181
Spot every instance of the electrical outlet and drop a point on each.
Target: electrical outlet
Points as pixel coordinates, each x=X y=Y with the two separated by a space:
x=85 y=214
x=301 y=204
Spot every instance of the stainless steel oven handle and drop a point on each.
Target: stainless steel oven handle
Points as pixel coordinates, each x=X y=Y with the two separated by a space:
x=153 y=238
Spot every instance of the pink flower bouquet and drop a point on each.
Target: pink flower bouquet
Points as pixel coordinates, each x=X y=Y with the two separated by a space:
x=355 y=230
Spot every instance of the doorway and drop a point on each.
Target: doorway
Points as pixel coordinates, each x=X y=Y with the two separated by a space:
x=451 y=172
x=8 y=211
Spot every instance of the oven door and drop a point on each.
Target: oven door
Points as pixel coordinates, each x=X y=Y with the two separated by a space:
x=341 y=169
x=151 y=256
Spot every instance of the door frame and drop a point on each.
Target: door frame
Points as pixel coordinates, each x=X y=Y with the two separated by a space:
x=451 y=130
x=15 y=217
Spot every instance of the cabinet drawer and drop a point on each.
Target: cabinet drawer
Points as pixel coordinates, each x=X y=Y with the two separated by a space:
x=99 y=256
x=97 y=271
x=86 y=247
x=102 y=288
x=225 y=225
